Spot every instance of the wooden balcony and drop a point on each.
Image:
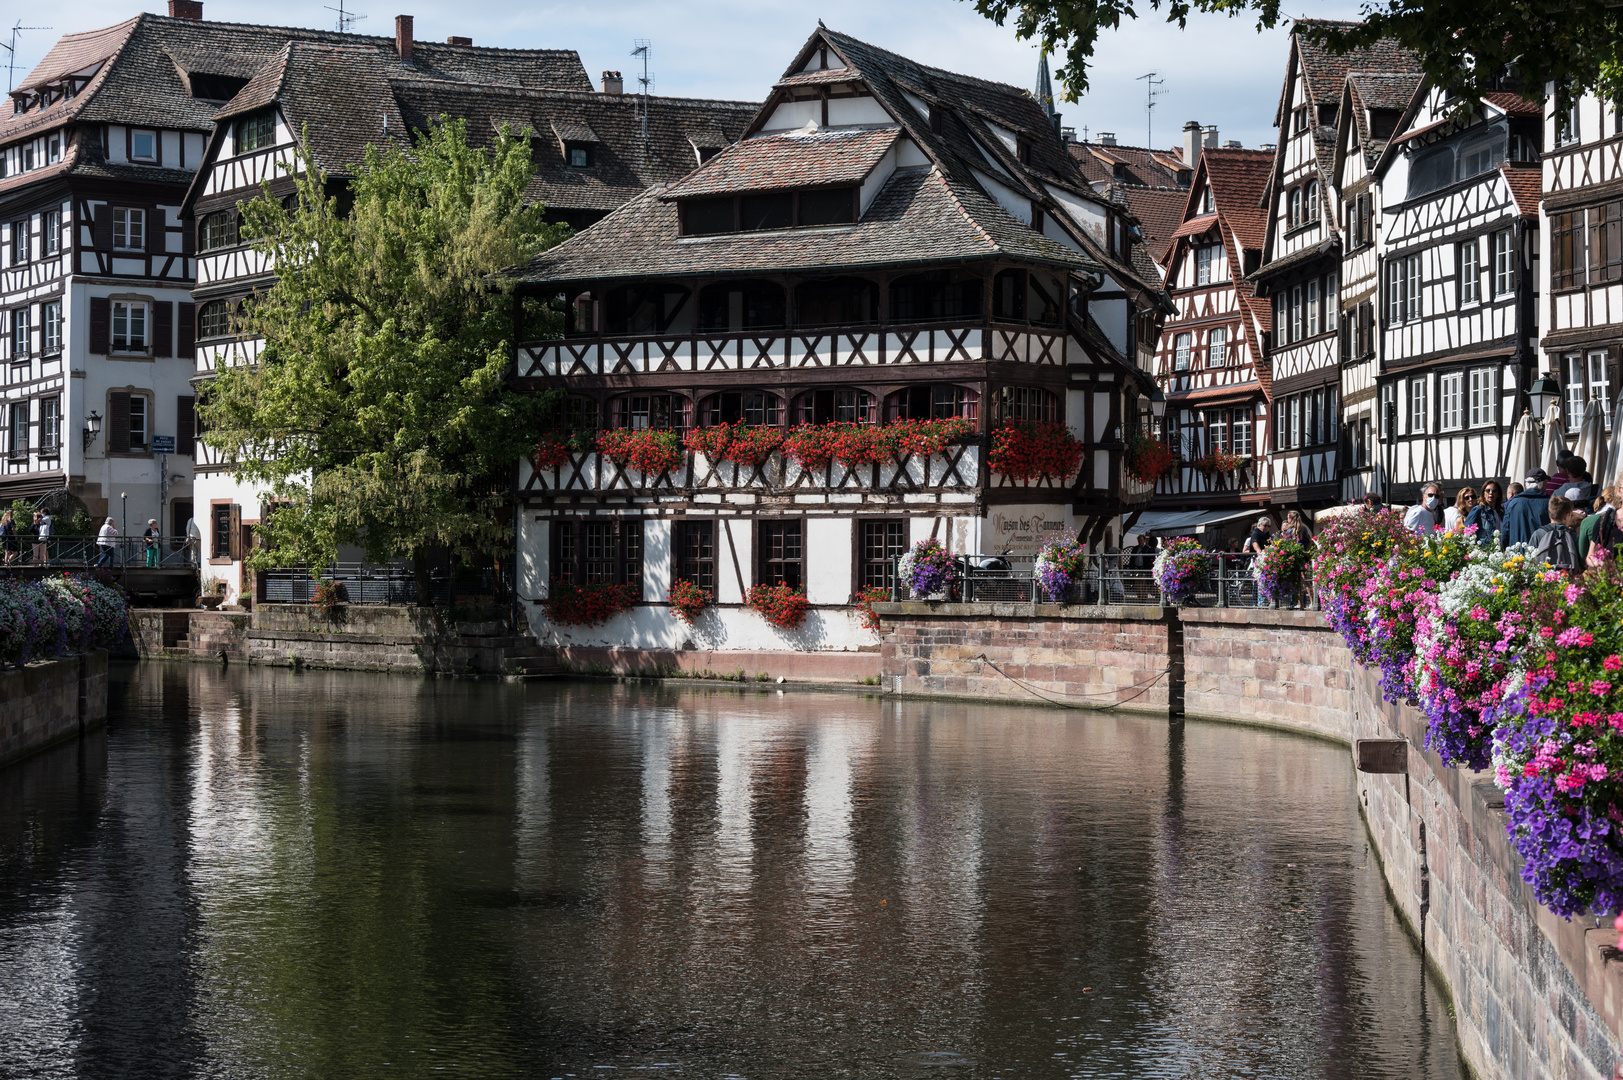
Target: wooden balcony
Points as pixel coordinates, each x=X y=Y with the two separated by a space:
x=786 y=350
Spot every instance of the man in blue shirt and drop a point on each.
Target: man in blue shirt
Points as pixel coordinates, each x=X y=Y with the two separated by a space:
x=1528 y=512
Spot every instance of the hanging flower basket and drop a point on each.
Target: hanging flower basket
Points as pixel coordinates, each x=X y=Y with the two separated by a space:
x=1181 y=568
x=926 y=569
x=1028 y=449
x=688 y=600
x=1147 y=460
x=1059 y=564
x=587 y=605
x=781 y=605
x=1281 y=571
x=648 y=450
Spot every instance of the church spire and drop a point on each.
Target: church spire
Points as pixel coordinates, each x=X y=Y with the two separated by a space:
x=1045 y=87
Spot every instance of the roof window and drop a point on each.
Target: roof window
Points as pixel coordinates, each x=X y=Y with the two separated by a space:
x=759 y=211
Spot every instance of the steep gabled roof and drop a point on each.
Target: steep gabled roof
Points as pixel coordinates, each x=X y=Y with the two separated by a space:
x=1159 y=211
x=1138 y=165
x=1381 y=91
x=1526 y=184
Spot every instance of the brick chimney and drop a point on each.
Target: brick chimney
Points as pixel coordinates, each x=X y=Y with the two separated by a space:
x=454 y=40
x=186 y=9
x=613 y=83
x=402 y=37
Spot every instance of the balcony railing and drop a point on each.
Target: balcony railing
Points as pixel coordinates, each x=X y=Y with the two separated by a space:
x=88 y=552
x=366 y=583
x=1105 y=578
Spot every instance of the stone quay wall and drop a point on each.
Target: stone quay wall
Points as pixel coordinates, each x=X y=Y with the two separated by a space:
x=51 y=701
x=1536 y=997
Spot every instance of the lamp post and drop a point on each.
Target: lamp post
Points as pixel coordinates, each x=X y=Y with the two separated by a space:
x=92 y=428
x=1158 y=406
x=1543 y=393
x=124 y=529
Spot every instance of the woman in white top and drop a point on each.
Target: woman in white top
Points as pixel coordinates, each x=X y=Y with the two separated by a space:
x=1464 y=502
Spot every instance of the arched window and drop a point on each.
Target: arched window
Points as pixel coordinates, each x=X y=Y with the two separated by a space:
x=1025 y=403
x=1310 y=208
x=735 y=306
x=841 y=301
x=937 y=401
x=937 y=297
x=1293 y=215
x=218 y=230
x=757 y=408
x=836 y=406
x=214 y=319
x=639 y=411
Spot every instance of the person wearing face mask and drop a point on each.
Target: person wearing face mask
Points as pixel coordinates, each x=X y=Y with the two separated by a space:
x=1426 y=516
x=1527 y=512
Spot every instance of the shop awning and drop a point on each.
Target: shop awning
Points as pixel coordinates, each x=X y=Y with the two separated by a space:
x=1178 y=522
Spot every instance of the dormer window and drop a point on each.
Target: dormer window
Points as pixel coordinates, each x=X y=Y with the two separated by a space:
x=1327 y=115
x=763 y=210
x=1023 y=151
x=1382 y=122
x=579 y=155
x=53 y=149
x=938 y=116
x=143 y=146
x=1207 y=206
x=255 y=132
x=28 y=157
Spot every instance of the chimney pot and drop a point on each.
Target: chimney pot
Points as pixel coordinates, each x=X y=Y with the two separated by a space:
x=1231 y=144
x=1191 y=143
x=402 y=37
x=613 y=83
x=1208 y=135
x=1107 y=138
x=454 y=40
x=186 y=9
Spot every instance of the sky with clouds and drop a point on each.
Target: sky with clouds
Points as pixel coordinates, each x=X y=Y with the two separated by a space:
x=1218 y=71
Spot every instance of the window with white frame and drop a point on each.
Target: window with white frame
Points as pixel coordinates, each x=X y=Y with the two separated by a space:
x=143 y=146
x=1203 y=264
x=1574 y=363
x=1310 y=203
x=50 y=424
x=129 y=229
x=1451 y=401
x=1411 y=288
x=1293 y=214
x=1296 y=313
x=1504 y=263
x=1217 y=347
x=1295 y=423
x=1241 y=438
x=1417 y=406
x=51 y=327
x=1332 y=313
x=1598 y=386
x=1470 y=265
x=1389 y=410
x=1403 y=293
x=20 y=343
x=1312 y=309
x=129 y=326
x=1180 y=352
x=1217 y=430
x=1484 y=385
x=19 y=429
x=51 y=240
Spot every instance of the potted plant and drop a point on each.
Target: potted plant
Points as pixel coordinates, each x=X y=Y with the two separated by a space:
x=213 y=594
x=926 y=570
x=1059 y=564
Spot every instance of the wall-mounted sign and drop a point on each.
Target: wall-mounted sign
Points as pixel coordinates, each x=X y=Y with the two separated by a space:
x=163 y=444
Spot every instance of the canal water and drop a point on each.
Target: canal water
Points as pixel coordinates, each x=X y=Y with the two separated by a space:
x=260 y=873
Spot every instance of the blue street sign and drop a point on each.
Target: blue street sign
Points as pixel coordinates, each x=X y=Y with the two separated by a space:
x=163 y=444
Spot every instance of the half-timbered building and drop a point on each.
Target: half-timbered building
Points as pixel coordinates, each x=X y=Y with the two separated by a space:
x=592 y=151
x=1372 y=104
x=1582 y=251
x=889 y=242
x=1207 y=363
x=1301 y=271
x=1458 y=287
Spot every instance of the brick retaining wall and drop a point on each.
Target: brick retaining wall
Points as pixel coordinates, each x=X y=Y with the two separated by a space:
x=1536 y=997
x=50 y=701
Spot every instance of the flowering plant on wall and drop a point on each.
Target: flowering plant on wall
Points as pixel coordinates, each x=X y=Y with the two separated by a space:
x=688 y=600
x=925 y=569
x=592 y=604
x=927 y=437
x=328 y=597
x=40 y=620
x=744 y=444
x=1392 y=597
x=1059 y=564
x=554 y=448
x=1347 y=547
x=648 y=450
x=866 y=599
x=1147 y=459
x=781 y=605
x=1281 y=571
x=1220 y=462
x=1181 y=568
x=1028 y=449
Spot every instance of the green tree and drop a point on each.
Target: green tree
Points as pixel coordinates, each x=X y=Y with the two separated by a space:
x=1467 y=44
x=377 y=412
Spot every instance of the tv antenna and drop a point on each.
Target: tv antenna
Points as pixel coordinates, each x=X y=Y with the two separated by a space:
x=1150 y=82
x=346 y=19
x=11 y=52
x=645 y=80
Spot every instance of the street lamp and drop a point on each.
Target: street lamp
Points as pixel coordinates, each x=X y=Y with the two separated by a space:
x=1158 y=403
x=1544 y=392
x=92 y=428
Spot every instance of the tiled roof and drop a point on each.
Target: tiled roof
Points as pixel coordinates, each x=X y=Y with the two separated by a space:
x=1526 y=186
x=573 y=131
x=1238 y=178
x=1378 y=90
x=1159 y=212
x=1194 y=226
x=623 y=163
x=1514 y=104
x=1138 y=165
x=146 y=63
x=794 y=159
x=1324 y=71
x=918 y=217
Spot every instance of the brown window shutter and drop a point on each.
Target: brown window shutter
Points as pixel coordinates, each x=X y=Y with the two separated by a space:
x=157 y=235
x=102 y=228
x=163 y=328
x=236 y=532
x=186 y=331
x=101 y=325
x=118 y=423
x=185 y=425
x=188 y=237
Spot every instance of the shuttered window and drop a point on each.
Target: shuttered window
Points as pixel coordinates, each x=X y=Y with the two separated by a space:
x=185 y=425
x=128 y=423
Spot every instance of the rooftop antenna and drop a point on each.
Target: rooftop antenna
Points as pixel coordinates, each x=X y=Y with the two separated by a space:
x=643 y=47
x=1150 y=94
x=11 y=52
x=346 y=19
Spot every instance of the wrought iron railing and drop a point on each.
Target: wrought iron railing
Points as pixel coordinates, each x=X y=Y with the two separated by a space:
x=393 y=583
x=89 y=552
